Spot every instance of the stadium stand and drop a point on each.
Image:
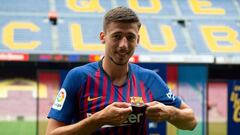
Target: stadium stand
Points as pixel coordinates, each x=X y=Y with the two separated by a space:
x=51 y=82
x=28 y=7
x=215 y=37
x=13 y=91
x=73 y=8
x=216 y=8
x=25 y=34
x=75 y=36
x=33 y=34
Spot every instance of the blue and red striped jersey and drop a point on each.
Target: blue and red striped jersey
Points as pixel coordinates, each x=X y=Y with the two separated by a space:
x=88 y=89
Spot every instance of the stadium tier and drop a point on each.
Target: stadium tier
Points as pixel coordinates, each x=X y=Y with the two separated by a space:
x=28 y=7
x=216 y=37
x=207 y=31
x=25 y=34
x=18 y=96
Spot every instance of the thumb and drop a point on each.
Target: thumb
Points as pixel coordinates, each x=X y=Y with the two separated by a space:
x=125 y=110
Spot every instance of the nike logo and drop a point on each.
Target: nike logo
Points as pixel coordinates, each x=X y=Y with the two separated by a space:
x=91 y=99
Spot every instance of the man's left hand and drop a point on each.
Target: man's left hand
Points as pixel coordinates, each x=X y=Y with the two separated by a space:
x=157 y=111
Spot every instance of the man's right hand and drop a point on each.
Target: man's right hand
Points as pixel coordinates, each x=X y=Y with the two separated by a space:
x=115 y=113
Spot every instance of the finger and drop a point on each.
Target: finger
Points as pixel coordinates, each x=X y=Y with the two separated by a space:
x=124 y=111
x=155 y=108
x=121 y=104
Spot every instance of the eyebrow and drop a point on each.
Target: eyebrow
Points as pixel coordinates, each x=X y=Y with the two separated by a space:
x=129 y=33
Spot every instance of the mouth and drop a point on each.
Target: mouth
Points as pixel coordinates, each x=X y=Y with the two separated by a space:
x=122 y=53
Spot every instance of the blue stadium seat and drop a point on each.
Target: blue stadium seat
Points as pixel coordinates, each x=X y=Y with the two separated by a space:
x=68 y=9
x=210 y=36
x=166 y=7
x=90 y=27
x=26 y=6
x=216 y=8
x=25 y=35
x=156 y=37
x=70 y=14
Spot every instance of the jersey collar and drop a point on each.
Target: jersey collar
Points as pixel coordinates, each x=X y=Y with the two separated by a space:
x=101 y=67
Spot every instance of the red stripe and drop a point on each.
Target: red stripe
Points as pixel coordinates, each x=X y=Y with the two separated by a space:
x=135 y=92
x=120 y=99
x=143 y=92
x=105 y=85
x=128 y=91
x=87 y=93
x=111 y=94
x=111 y=132
x=104 y=91
x=145 y=128
x=129 y=131
x=150 y=95
x=120 y=131
x=120 y=94
x=95 y=91
x=111 y=99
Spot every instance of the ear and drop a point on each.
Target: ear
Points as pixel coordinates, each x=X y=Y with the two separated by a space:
x=102 y=37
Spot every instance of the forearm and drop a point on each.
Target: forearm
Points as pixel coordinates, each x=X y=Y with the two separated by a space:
x=182 y=118
x=83 y=127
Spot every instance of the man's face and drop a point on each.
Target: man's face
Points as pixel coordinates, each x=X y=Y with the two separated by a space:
x=120 y=40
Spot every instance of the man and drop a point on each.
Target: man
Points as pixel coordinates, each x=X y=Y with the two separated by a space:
x=95 y=98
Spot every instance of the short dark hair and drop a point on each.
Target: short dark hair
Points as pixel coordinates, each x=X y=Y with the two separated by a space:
x=121 y=14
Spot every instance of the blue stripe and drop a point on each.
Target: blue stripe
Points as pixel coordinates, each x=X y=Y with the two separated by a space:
x=108 y=91
x=91 y=91
x=131 y=87
x=139 y=91
x=115 y=93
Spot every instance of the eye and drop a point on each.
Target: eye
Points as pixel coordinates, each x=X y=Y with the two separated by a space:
x=116 y=36
x=131 y=37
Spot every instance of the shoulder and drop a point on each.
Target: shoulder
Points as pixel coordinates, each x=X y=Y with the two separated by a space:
x=77 y=76
x=142 y=71
x=81 y=72
x=85 y=69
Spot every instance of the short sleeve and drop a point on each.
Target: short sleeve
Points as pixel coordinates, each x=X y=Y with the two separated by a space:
x=65 y=103
x=162 y=93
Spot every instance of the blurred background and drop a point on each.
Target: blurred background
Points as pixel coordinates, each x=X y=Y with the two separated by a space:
x=194 y=45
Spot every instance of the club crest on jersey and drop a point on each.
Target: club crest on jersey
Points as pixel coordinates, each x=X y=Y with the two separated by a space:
x=136 y=100
x=59 y=101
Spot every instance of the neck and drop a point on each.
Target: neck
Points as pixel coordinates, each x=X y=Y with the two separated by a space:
x=117 y=73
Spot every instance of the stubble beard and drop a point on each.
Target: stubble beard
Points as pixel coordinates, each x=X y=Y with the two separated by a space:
x=118 y=63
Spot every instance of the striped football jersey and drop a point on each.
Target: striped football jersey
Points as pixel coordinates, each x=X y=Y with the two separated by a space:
x=88 y=89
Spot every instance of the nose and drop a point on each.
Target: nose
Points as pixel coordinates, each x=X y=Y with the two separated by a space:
x=123 y=42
